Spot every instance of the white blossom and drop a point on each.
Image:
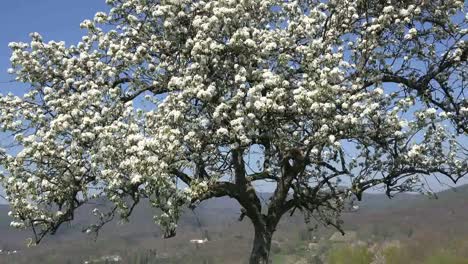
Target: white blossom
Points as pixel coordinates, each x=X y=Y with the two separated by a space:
x=265 y=80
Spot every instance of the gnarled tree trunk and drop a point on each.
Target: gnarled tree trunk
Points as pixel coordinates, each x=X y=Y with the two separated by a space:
x=261 y=245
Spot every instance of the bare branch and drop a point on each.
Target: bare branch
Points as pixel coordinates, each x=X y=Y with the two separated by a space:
x=183 y=176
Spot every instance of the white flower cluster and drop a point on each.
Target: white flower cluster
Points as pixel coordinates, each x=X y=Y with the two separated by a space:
x=218 y=76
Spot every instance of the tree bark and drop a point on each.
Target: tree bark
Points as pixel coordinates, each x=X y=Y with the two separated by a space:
x=261 y=246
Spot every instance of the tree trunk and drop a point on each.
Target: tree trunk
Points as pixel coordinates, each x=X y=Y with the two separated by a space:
x=261 y=246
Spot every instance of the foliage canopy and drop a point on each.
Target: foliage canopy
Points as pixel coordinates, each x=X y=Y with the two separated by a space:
x=179 y=101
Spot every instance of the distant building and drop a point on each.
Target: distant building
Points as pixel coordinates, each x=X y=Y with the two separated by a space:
x=199 y=241
x=348 y=237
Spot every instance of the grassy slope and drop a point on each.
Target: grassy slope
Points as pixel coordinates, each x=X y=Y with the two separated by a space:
x=231 y=239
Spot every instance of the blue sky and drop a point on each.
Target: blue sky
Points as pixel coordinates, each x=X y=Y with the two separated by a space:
x=53 y=19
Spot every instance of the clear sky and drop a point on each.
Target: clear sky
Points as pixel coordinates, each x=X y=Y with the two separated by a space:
x=53 y=19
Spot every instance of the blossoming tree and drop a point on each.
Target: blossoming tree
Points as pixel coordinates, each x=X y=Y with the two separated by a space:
x=179 y=101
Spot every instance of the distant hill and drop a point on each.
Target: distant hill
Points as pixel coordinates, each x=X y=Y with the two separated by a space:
x=214 y=211
x=377 y=215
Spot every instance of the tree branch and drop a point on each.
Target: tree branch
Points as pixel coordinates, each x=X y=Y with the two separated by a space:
x=182 y=176
x=261 y=176
x=3 y=197
x=239 y=167
x=130 y=97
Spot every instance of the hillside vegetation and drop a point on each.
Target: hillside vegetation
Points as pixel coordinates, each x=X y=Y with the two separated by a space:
x=407 y=228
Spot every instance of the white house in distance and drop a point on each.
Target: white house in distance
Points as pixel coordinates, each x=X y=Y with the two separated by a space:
x=198 y=241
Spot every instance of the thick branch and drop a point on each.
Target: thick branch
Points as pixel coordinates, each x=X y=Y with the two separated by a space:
x=289 y=173
x=182 y=176
x=219 y=189
x=239 y=167
x=261 y=176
